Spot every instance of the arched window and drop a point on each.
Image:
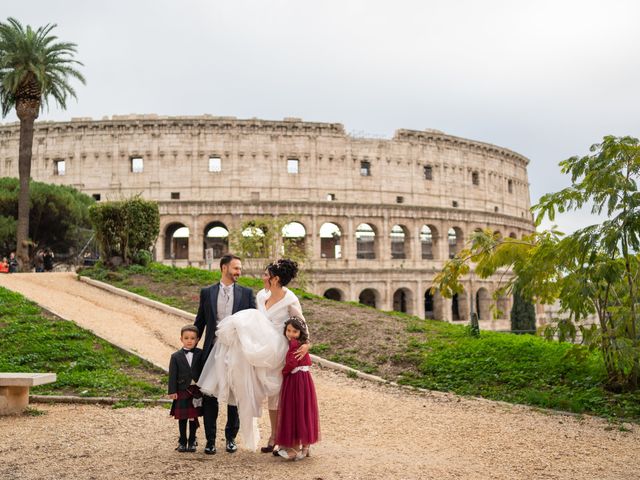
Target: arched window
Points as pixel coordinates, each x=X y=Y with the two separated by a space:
x=293 y=238
x=455 y=308
x=455 y=241
x=365 y=242
x=398 y=250
x=333 y=294
x=402 y=300
x=429 y=305
x=216 y=237
x=330 y=241
x=254 y=242
x=427 y=236
x=368 y=297
x=176 y=242
x=459 y=307
x=483 y=304
x=475 y=178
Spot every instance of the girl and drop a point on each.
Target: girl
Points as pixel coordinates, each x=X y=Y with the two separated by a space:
x=184 y=370
x=278 y=303
x=298 y=424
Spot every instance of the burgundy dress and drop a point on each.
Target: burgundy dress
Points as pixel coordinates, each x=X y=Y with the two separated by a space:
x=298 y=422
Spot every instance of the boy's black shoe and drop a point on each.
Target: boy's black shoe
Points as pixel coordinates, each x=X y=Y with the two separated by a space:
x=210 y=449
x=231 y=446
x=182 y=447
x=192 y=442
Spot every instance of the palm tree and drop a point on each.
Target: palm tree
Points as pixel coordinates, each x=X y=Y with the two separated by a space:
x=34 y=67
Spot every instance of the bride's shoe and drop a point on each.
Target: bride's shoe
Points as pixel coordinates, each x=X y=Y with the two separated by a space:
x=306 y=451
x=269 y=448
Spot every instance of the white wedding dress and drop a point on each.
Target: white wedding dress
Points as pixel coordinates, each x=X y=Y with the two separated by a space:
x=245 y=366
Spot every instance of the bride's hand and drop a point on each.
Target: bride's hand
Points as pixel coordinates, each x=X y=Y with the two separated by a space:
x=302 y=351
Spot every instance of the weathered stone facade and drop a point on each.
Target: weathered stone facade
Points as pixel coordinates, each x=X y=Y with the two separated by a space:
x=217 y=171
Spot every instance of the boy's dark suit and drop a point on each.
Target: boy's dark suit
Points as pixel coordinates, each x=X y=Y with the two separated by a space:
x=207 y=319
x=180 y=373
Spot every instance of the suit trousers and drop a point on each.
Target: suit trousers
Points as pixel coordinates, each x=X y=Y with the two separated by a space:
x=210 y=414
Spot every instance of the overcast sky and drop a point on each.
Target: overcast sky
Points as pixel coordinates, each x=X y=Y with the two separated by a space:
x=544 y=78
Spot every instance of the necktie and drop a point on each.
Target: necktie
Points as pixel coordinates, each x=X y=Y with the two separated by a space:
x=227 y=292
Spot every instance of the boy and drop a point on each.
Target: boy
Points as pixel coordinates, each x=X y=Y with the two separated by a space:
x=184 y=370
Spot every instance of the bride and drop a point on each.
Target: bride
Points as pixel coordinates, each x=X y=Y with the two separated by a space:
x=245 y=365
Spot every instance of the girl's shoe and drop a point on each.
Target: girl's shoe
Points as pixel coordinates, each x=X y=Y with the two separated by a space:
x=291 y=454
x=306 y=451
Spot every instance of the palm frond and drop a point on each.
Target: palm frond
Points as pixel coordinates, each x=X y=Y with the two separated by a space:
x=35 y=63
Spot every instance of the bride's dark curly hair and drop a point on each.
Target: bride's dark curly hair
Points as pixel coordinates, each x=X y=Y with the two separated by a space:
x=285 y=269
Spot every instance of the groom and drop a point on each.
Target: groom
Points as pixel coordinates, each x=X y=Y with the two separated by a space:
x=217 y=302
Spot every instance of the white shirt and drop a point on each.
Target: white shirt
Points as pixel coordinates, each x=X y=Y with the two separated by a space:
x=189 y=356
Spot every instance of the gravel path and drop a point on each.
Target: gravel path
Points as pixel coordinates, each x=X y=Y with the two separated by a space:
x=369 y=431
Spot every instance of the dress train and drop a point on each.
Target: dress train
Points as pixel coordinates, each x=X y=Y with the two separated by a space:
x=244 y=367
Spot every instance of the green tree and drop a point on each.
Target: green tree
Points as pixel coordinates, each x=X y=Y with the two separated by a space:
x=593 y=270
x=34 y=67
x=59 y=216
x=126 y=229
x=523 y=314
x=261 y=240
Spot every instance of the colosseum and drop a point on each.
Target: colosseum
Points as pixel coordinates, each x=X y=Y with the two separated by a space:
x=377 y=217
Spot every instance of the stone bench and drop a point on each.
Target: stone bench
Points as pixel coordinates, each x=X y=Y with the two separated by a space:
x=14 y=389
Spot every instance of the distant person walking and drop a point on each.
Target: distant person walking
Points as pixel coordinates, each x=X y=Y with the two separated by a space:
x=13 y=263
x=38 y=262
x=48 y=260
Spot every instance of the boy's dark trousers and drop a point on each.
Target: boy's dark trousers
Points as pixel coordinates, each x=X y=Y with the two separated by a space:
x=182 y=427
x=210 y=414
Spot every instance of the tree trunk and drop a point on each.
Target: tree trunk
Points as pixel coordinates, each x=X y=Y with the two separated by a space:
x=27 y=111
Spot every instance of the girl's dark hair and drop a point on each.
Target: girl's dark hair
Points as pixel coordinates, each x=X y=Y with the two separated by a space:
x=298 y=324
x=284 y=269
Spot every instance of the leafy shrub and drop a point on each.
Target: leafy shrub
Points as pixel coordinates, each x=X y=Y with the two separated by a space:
x=125 y=228
x=142 y=257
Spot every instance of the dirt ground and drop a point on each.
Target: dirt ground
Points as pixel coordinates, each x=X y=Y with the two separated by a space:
x=370 y=431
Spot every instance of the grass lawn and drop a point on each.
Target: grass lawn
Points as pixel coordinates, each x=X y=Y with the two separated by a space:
x=34 y=341
x=423 y=353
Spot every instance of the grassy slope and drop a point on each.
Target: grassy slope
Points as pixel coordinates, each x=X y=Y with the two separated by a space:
x=423 y=353
x=34 y=341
